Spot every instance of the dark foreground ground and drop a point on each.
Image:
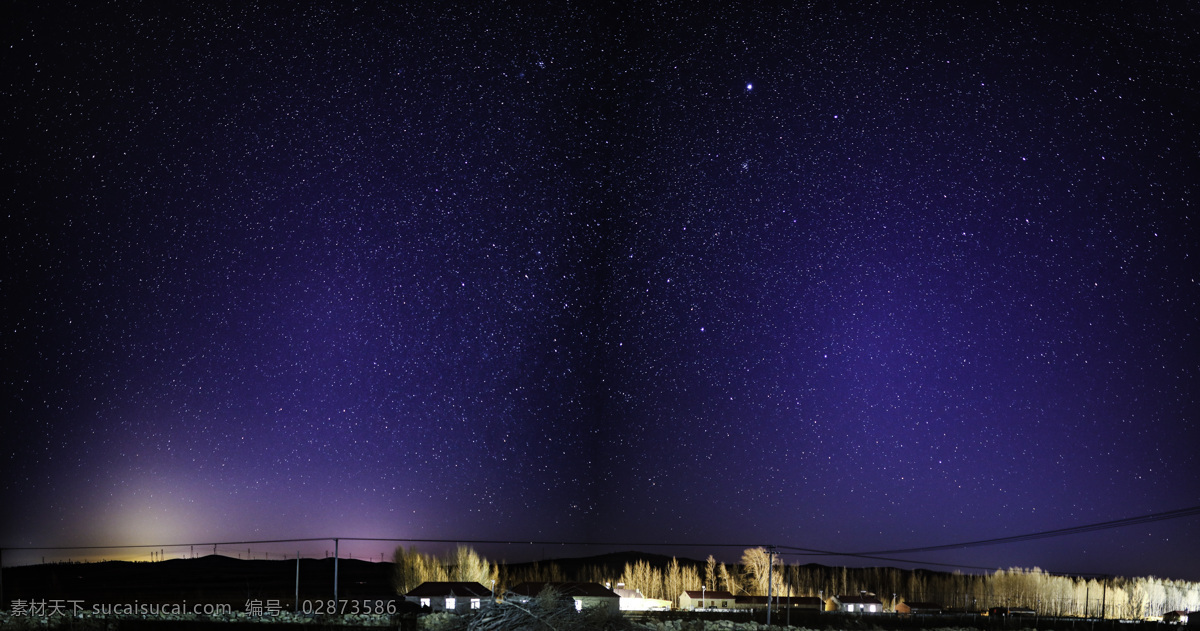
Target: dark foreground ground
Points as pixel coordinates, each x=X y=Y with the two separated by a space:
x=210 y=580
x=672 y=621
x=362 y=585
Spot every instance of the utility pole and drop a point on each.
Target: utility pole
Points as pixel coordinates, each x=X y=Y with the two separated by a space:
x=770 y=575
x=787 y=586
x=335 y=576
x=1104 y=598
x=296 y=603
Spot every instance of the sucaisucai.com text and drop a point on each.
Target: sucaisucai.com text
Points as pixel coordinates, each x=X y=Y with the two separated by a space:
x=161 y=609
x=65 y=607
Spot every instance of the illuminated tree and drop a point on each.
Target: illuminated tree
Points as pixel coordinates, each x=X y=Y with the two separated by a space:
x=758 y=566
x=728 y=582
x=673 y=581
x=645 y=578
x=467 y=566
x=411 y=568
x=689 y=578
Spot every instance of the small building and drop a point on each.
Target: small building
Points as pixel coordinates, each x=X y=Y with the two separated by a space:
x=751 y=602
x=780 y=603
x=1175 y=617
x=700 y=599
x=800 y=603
x=454 y=596
x=1011 y=611
x=634 y=600
x=585 y=595
x=918 y=608
x=861 y=603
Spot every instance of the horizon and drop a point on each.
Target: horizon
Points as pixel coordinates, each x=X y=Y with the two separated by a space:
x=268 y=556
x=445 y=549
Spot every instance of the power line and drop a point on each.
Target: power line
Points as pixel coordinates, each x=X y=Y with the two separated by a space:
x=1046 y=534
x=873 y=557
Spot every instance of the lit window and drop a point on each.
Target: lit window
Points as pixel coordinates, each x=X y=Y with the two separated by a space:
x=474 y=603
x=578 y=605
x=849 y=607
x=872 y=608
x=424 y=602
x=449 y=603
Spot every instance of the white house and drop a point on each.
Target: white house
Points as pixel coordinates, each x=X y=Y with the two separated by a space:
x=459 y=597
x=706 y=599
x=634 y=600
x=862 y=603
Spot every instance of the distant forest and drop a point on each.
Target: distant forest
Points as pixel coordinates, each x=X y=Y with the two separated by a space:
x=666 y=578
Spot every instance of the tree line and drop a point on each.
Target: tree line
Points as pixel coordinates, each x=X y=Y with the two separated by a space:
x=1045 y=593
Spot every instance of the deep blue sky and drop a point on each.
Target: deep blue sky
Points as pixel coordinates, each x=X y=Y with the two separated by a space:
x=845 y=276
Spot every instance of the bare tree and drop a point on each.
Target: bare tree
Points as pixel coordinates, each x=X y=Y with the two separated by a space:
x=468 y=566
x=690 y=578
x=758 y=566
x=413 y=568
x=728 y=581
x=673 y=581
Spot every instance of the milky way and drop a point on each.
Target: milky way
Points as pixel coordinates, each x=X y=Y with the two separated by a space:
x=841 y=277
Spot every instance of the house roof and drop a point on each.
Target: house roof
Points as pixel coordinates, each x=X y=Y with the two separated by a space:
x=628 y=593
x=592 y=590
x=709 y=595
x=432 y=589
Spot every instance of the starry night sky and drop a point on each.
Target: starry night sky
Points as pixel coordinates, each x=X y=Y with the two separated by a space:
x=845 y=276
